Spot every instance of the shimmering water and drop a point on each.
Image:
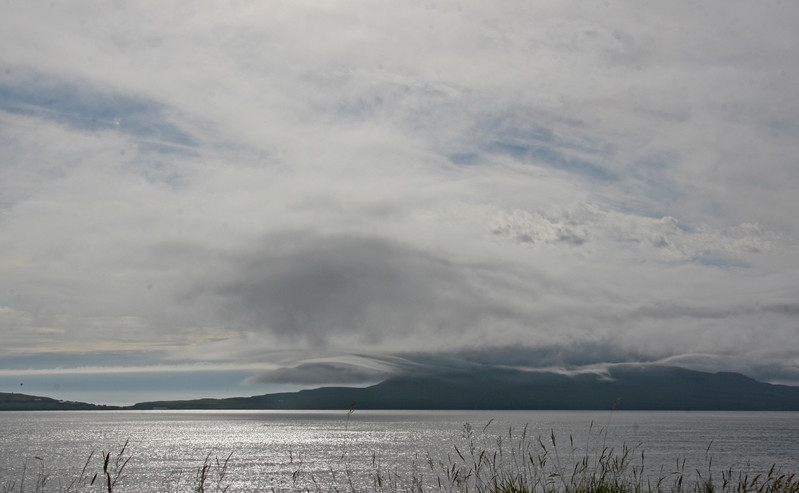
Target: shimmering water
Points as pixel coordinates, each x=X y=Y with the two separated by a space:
x=280 y=450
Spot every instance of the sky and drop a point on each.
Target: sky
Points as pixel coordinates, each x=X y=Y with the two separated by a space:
x=211 y=199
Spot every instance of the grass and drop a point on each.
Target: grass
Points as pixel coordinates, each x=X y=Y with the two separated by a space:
x=509 y=463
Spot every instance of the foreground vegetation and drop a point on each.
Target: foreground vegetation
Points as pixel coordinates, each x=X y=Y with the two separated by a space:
x=508 y=464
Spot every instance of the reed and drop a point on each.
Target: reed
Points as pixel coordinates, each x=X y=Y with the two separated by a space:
x=513 y=462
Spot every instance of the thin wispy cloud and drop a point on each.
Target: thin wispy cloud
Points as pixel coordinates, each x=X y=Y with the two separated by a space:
x=288 y=184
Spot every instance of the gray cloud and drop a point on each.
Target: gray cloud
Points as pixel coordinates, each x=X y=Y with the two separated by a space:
x=571 y=355
x=313 y=288
x=576 y=357
x=320 y=374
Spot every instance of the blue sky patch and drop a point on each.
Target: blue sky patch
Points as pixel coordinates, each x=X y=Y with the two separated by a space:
x=553 y=157
x=89 y=109
x=714 y=261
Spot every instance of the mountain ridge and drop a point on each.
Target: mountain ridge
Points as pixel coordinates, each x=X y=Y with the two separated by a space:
x=624 y=387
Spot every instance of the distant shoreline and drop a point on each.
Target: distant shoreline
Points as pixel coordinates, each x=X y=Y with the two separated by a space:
x=623 y=388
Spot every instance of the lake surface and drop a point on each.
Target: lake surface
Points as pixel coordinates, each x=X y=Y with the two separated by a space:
x=287 y=451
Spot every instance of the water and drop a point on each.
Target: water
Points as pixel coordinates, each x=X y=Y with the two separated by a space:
x=286 y=451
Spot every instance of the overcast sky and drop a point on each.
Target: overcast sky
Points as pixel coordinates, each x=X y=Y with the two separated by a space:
x=233 y=198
